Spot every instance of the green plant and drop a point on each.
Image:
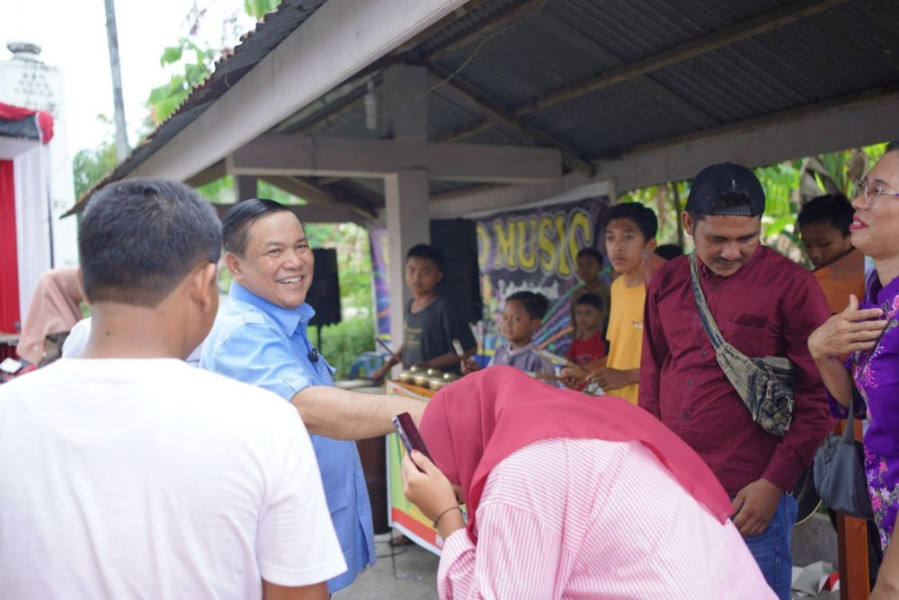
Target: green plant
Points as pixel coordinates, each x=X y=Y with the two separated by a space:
x=90 y=166
x=787 y=185
x=223 y=191
x=344 y=342
x=259 y=8
x=165 y=99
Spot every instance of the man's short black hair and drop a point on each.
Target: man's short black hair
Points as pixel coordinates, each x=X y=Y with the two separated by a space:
x=426 y=251
x=592 y=253
x=831 y=208
x=536 y=304
x=642 y=216
x=593 y=300
x=140 y=238
x=669 y=251
x=892 y=146
x=240 y=217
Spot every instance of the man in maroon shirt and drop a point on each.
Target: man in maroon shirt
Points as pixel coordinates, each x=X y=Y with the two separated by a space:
x=764 y=305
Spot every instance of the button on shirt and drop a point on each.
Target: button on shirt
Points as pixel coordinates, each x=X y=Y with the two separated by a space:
x=767 y=308
x=263 y=344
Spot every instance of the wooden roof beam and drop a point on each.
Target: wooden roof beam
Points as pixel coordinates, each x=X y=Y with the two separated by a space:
x=318 y=155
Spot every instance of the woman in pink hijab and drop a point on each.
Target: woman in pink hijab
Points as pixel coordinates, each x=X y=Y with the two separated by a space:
x=570 y=496
x=55 y=308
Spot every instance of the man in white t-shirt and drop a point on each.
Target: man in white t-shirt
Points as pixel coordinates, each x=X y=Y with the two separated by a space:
x=127 y=473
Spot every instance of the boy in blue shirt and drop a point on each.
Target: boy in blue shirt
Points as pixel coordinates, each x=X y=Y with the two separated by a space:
x=522 y=318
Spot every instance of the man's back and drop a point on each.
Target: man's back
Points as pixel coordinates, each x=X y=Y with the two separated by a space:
x=148 y=478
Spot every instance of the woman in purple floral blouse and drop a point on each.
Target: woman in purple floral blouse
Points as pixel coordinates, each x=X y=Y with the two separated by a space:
x=869 y=334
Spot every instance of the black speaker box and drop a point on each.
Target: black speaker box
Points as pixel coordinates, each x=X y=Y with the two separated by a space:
x=457 y=241
x=324 y=294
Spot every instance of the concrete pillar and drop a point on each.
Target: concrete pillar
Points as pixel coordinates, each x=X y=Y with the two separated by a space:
x=246 y=187
x=408 y=224
x=406 y=191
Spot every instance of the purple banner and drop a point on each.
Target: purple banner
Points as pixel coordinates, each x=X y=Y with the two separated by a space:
x=533 y=249
x=536 y=250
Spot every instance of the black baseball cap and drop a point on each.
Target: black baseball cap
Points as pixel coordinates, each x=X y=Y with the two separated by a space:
x=715 y=181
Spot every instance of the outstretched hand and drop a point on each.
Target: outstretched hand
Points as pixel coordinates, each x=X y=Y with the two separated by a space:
x=426 y=486
x=849 y=331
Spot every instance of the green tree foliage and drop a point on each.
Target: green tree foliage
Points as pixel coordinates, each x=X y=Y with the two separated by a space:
x=344 y=342
x=787 y=186
x=90 y=166
x=193 y=65
x=259 y=8
x=223 y=191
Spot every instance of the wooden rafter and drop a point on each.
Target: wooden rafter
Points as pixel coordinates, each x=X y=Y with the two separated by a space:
x=569 y=156
x=303 y=155
x=330 y=110
x=758 y=25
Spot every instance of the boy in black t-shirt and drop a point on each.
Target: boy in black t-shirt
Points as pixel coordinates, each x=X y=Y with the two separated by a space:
x=432 y=323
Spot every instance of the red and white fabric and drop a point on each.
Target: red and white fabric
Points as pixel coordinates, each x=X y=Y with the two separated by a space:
x=25 y=213
x=595 y=519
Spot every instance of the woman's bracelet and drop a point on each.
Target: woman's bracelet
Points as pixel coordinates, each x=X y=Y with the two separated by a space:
x=437 y=520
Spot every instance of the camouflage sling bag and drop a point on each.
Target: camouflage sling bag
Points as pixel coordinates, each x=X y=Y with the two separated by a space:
x=764 y=384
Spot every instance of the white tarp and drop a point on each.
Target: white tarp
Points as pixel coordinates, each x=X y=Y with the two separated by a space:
x=32 y=181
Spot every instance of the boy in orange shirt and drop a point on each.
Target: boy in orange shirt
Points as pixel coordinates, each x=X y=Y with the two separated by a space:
x=839 y=268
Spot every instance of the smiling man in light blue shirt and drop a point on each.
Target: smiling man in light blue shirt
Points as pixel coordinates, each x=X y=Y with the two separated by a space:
x=260 y=337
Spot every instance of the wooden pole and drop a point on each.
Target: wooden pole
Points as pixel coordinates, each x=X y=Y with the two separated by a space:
x=852 y=541
x=121 y=135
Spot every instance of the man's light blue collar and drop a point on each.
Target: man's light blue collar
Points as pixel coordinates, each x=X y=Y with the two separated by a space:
x=289 y=320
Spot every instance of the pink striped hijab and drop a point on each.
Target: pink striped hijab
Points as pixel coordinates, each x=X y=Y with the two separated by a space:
x=473 y=424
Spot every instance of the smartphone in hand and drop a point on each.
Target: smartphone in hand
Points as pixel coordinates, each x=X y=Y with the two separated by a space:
x=409 y=434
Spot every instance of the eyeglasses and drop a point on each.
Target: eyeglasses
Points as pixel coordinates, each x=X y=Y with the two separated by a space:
x=870 y=191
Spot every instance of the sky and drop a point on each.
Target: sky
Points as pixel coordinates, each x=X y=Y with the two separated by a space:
x=72 y=34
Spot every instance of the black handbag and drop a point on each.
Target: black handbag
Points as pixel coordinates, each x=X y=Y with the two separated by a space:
x=839 y=472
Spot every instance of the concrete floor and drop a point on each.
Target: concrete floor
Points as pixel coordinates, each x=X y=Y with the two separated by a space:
x=411 y=575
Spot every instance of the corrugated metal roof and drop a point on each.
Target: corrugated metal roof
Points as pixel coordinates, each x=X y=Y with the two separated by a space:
x=839 y=51
x=517 y=52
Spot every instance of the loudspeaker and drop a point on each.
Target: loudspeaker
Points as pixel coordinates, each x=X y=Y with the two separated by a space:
x=324 y=294
x=458 y=242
